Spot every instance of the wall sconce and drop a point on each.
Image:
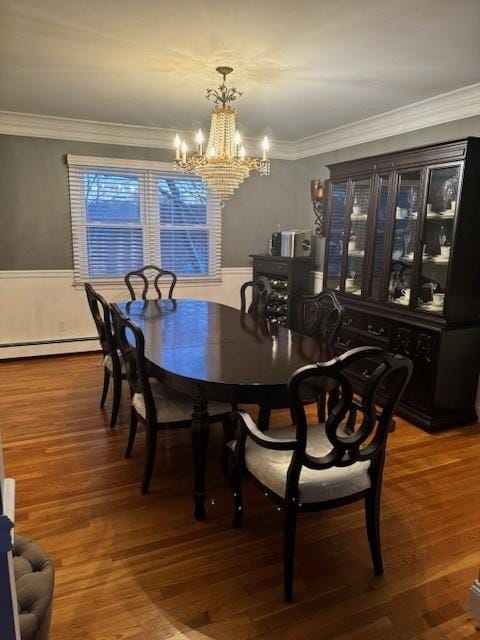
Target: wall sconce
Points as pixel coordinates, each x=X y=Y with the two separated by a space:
x=317 y=189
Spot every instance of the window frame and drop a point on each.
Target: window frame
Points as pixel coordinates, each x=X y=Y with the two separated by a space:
x=150 y=222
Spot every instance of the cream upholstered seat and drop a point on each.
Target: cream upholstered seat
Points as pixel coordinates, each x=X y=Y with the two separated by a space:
x=107 y=362
x=270 y=468
x=172 y=406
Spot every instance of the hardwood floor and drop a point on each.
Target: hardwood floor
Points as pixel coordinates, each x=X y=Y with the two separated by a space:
x=140 y=568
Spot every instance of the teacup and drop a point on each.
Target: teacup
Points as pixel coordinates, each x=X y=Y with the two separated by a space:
x=349 y=284
x=445 y=252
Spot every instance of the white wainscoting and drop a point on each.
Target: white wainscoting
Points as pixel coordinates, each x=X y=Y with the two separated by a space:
x=44 y=314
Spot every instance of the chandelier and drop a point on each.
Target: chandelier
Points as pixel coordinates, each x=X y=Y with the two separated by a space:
x=224 y=165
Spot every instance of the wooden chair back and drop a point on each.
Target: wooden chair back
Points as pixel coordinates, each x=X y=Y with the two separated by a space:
x=261 y=295
x=356 y=429
x=132 y=345
x=149 y=274
x=321 y=315
x=100 y=311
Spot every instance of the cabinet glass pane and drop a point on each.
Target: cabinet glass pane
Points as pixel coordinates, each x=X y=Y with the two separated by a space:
x=358 y=237
x=379 y=238
x=404 y=235
x=336 y=235
x=437 y=237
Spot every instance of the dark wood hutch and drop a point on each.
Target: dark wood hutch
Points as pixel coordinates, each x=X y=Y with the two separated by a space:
x=402 y=251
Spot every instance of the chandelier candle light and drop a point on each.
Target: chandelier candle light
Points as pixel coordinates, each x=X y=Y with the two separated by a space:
x=224 y=165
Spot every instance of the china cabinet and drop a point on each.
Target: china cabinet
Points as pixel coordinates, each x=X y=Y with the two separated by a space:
x=290 y=281
x=402 y=253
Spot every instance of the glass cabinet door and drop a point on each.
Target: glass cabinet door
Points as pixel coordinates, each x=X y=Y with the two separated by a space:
x=379 y=237
x=404 y=236
x=357 y=238
x=440 y=212
x=336 y=234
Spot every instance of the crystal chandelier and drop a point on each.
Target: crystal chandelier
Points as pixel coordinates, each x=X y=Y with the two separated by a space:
x=225 y=164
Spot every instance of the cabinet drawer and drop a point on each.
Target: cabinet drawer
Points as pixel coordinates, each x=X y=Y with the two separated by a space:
x=364 y=368
x=264 y=266
x=372 y=325
x=344 y=341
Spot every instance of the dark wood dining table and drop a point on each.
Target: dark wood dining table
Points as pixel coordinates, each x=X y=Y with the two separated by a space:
x=210 y=351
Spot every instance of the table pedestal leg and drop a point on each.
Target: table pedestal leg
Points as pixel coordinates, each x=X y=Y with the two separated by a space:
x=200 y=429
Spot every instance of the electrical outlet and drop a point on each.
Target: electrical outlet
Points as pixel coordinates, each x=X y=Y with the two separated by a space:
x=61 y=326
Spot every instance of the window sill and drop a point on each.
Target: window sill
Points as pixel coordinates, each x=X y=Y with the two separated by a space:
x=119 y=283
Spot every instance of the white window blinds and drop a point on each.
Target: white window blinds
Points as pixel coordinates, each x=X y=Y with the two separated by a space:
x=128 y=213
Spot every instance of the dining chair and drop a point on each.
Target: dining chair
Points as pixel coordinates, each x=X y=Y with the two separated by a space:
x=144 y=276
x=320 y=316
x=325 y=465
x=261 y=295
x=113 y=364
x=154 y=404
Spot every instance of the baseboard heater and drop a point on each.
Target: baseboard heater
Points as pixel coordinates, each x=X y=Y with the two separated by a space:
x=34 y=343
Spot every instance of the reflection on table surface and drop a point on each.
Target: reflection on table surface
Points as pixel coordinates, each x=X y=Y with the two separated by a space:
x=208 y=341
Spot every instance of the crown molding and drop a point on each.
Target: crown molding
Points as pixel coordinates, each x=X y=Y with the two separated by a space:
x=446 y=107
x=41 y=126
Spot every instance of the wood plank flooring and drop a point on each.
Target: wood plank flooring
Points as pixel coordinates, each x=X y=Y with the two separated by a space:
x=140 y=568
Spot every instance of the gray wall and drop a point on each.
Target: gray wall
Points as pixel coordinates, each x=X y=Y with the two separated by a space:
x=35 y=212
x=34 y=204
x=316 y=166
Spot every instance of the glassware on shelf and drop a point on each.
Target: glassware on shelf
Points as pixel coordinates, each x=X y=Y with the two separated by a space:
x=449 y=193
x=357 y=237
x=442 y=195
x=336 y=234
x=413 y=202
x=356 y=208
x=352 y=243
x=404 y=237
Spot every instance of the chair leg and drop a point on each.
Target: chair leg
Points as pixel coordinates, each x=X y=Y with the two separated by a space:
x=132 y=433
x=372 y=516
x=289 y=551
x=150 y=452
x=321 y=406
x=235 y=478
x=117 y=395
x=228 y=436
x=263 y=418
x=106 y=380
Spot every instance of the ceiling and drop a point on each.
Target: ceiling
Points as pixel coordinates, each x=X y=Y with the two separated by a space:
x=305 y=66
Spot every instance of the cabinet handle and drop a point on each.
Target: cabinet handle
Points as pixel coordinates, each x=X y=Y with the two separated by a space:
x=375 y=332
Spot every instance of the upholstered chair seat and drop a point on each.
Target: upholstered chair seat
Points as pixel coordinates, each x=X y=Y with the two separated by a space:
x=270 y=468
x=172 y=406
x=108 y=363
x=34 y=579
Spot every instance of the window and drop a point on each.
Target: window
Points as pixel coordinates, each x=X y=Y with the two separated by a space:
x=128 y=213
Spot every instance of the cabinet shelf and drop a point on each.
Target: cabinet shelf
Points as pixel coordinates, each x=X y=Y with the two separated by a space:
x=442 y=215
